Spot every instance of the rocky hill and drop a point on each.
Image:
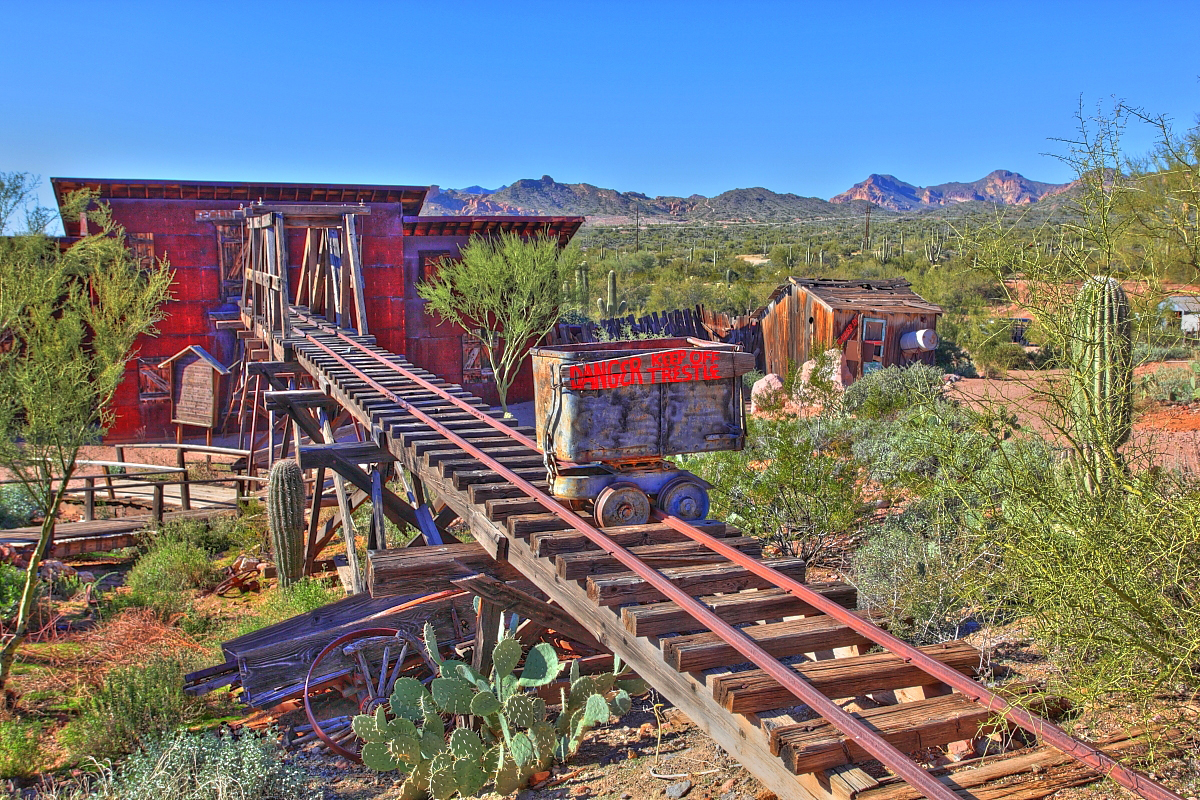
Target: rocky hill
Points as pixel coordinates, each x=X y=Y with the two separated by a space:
x=1001 y=186
x=547 y=196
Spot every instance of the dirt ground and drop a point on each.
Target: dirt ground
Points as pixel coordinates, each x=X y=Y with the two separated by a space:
x=1171 y=433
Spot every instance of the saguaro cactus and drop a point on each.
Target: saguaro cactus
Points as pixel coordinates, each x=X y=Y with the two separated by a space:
x=609 y=307
x=1102 y=360
x=583 y=288
x=285 y=515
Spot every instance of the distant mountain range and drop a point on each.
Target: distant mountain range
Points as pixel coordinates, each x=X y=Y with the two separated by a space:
x=1003 y=187
x=547 y=196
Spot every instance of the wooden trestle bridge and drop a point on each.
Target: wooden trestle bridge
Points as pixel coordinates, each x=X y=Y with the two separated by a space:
x=735 y=641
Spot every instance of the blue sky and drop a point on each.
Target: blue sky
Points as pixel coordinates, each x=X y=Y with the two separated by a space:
x=664 y=98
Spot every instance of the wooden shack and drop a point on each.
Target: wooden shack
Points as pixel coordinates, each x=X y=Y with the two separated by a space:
x=865 y=319
x=195 y=387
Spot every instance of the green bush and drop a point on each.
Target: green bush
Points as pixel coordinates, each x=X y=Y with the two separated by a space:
x=306 y=594
x=20 y=748
x=1171 y=385
x=16 y=509
x=886 y=392
x=214 y=536
x=1144 y=353
x=995 y=358
x=161 y=578
x=12 y=583
x=788 y=487
x=133 y=705
x=207 y=766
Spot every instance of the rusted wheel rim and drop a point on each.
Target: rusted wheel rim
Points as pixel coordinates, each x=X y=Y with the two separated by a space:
x=309 y=686
x=622 y=503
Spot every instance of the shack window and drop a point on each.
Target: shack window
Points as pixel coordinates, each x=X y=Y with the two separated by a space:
x=154 y=382
x=229 y=256
x=873 y=334
x=428 y=261
x=142 y=245
x=475 y=363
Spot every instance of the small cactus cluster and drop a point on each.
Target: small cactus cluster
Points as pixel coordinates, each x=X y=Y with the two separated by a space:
x=512 y=740
x=608 y=306
x=1102 y=401
x=285 y=516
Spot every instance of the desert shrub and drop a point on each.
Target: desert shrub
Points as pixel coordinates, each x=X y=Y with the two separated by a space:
x=20 y=748
x=161 y=578
x=207 y=766
x=214 y=536
x=1171 y=385
x=133 y=705
x=916 y=579
x=787 y=487
x=16 y=509
x=1144 y=353
x=12 y=583
x=995 y=358
x=1109 y=579
x=750 y=378
x=886 y=392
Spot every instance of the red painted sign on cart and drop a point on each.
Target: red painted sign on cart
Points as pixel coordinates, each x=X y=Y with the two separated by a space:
x=666 y=366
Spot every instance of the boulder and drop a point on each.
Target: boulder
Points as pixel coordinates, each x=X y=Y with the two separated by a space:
x=765 y=387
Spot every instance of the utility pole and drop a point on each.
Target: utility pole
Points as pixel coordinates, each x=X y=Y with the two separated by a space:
x=637 y=227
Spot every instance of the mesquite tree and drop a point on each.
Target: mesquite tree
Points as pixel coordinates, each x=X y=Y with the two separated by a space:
x=505 y=292
x=68 y=323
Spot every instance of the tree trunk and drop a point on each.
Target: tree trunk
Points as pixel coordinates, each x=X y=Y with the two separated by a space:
x=9 y=652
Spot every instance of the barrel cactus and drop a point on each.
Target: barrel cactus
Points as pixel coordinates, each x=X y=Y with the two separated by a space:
x=1102 y=362
x=285 y=514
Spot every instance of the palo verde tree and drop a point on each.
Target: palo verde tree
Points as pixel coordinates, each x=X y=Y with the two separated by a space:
x=68 y=323
x=505 y=292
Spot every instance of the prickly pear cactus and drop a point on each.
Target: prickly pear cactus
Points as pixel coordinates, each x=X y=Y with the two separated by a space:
x=1102 y=358
x=285 y=515
x=513 y=740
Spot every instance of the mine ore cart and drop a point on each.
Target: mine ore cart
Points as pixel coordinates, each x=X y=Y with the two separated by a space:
x=609 y=413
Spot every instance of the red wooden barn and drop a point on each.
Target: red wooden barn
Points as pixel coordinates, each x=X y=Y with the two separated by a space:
x=191 y=225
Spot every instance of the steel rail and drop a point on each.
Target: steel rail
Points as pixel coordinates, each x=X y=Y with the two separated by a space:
x=1090 y=756
x=857 y=731
x=424 y=384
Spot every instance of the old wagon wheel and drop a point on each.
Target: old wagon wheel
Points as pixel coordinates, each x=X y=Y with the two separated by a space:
x=622 y=503
x=373 y=658
x=684 y=498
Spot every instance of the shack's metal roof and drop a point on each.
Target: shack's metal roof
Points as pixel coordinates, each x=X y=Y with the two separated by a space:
x=561 y=227
x=1186 y=304
x=859 y=295
x=411 y=198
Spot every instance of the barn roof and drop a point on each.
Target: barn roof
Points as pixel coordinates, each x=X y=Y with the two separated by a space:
x=1186 y=304
x=204 y=356
x=562 y=227
x=864 y=295
x=411 y=198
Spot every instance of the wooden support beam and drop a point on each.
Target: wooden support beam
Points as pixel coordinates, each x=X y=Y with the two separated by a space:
x=335 y=456
x=529 y=607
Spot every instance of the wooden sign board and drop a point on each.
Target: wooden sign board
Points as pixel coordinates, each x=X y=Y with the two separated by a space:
x=665 y=366
x=195 y=387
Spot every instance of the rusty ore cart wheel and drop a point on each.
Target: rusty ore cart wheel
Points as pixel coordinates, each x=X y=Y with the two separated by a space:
x=622 y=503
x=373 y=659
x=683 y=498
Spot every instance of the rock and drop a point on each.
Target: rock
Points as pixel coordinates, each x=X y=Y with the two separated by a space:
x=726 y=786
x=678 y=790
x=626 y=796
x=631 y=753
x=85 y=576
x=764 y=388
x=51 y=569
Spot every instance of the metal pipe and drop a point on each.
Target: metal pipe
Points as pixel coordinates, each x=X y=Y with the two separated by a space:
x=1051 y=733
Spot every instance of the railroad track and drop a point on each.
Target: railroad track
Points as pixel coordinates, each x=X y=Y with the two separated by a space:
x=736 y=641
